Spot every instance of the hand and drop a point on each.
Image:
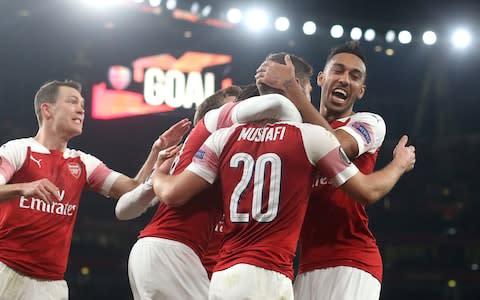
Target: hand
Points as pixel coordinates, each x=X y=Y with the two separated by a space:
x=404 y=155
x=42 y=189
x=173 y=135
x=166 y=165
x=276 y=75
x=165 y=156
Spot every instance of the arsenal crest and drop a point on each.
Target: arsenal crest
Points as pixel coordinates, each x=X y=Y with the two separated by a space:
x=75 y=169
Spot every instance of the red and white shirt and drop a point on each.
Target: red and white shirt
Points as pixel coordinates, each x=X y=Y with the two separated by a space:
x=193 y=223
x=266 y=174
x=335 y=231
x=35 y=236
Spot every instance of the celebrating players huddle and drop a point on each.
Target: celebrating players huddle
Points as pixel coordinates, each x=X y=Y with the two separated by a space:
x=261 y=172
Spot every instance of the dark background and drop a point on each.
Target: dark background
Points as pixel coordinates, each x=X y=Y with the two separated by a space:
x=427 y=227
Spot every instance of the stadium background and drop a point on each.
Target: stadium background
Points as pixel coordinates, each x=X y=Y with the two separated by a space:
x=427 y=227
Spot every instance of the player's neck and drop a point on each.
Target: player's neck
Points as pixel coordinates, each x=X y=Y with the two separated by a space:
x=331 y=116
x=51 y=140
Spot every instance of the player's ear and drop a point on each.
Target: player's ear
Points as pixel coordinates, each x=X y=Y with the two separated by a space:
x=46 y=110
x=320 y=78
x=362 y=92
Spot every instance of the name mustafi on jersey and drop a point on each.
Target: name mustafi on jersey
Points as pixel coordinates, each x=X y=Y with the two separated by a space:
x=57 y=208
x=262 y=134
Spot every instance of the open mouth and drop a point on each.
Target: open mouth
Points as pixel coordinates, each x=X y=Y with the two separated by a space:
x=340 y=94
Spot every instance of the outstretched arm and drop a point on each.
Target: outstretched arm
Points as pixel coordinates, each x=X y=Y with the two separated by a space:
x=169 y=138
x=368 y=189
x=134 y=203
x=272 y=106
x=258 y=108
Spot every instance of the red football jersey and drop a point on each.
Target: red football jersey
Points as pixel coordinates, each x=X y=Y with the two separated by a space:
x=284 y=112
x=35 y=236
x=335 y=231
x=193 y=223
x=209 y=259
x=266 y=174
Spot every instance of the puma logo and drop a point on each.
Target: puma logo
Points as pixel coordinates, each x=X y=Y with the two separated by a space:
x=36 y=161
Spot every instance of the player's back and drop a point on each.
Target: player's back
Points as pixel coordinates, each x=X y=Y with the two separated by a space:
x=266 y=178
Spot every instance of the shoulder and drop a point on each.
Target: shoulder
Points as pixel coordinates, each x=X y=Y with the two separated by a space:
x=310 y=129
x=224 y=133
x=20 y=146
x=368 y=117
x=368 y=129
x=22 y=142
x=84 y=157
x=313 y=134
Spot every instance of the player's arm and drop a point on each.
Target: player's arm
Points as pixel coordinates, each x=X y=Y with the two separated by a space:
x=283 y=77
x=176 y=190
x=135 y=202
x=273 y=106
x=42 y=189
x=368 y=189
x=12 y=157
x=171 y=137
x=364 y=132
x=324 y=151
x=348 y=142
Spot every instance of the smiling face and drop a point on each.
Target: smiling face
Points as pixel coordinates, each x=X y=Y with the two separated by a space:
x=65 y=116
x=342 y=84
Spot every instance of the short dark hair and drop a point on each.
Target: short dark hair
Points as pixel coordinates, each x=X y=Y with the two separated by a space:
x=48 y=92
x=248 y=91
x=215 y=101
x=352 y=47
x=303 y=71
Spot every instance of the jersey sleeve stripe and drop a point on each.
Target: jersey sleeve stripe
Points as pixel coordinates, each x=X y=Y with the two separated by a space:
x=344 y=176
x=102 y=179
x=6 y=170
x=333 y=163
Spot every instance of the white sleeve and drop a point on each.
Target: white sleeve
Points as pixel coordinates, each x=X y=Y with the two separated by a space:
x=211 y=119
x=324 y=151
x=12 y=157
x=134 y=203
x=271 y=106
x=368 y=129
x=206 y=160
